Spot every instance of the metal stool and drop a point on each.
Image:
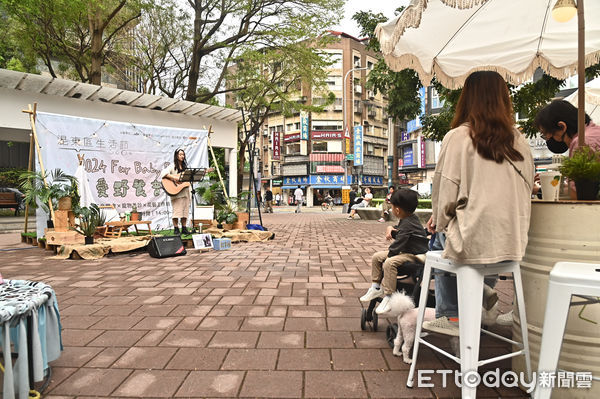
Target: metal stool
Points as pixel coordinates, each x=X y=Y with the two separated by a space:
x=469 y=279
x=566 y=279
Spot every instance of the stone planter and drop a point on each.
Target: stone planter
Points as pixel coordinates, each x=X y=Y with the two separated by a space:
x=561 y=231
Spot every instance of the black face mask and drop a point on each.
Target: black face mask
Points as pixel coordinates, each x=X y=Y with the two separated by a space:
x=557 y=147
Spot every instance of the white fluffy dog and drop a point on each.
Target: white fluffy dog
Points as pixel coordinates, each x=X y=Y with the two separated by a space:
x=404 y=308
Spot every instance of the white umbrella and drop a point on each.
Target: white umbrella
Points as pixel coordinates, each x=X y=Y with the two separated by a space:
x=83 y=186
x=453 y=38
x=592 y=99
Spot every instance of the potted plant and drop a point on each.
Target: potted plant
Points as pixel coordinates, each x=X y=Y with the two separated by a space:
x=241 y=204
x=226 y=217
x=135 y=215
x=89 y=219
x=583 y=167
x=60 y=189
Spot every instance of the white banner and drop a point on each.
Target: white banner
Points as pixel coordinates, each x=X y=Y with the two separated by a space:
x=123 y=161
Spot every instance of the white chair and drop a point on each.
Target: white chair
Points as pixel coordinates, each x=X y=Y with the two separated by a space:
x=566 y=279
x=469 y=279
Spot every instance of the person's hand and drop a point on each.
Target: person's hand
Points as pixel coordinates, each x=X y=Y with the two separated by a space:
x=388 y=233
x=430 y=225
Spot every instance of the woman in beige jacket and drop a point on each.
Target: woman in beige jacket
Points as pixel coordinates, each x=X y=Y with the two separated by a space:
x=481 y=188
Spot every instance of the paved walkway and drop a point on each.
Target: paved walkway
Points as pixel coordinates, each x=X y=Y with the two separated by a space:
x=276 y=319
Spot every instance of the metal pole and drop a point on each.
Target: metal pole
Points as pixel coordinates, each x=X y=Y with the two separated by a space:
x=580 y=73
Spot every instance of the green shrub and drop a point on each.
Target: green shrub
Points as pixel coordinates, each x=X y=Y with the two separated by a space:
x=583 y=164
x=9 y=177
x=424 y=203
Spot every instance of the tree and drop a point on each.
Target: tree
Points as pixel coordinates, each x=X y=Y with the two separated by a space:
x=78 y=34
x=162 y=49
x=401 y=88
x=224 y=29
x=270 y=81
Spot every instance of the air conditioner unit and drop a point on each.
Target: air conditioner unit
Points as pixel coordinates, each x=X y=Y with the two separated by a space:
x=370 y=94
x=303 y=98
x=365 y=122
x=358 y=89
x=357 y=63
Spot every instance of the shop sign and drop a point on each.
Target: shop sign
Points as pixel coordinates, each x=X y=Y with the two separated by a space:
x=422 y=158
x=326 y=135
x=350 y=157
x=373 y=180
x=408 y=156
x=358 y=145
x=405 y=136
x=288 y=138
x=295 y=180
x=277 y=182
x=277 y=146
x=330 y=169
x=304 y=125
x=327 y=179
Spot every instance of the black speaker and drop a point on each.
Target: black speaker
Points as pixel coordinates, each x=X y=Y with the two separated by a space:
x=163 y=247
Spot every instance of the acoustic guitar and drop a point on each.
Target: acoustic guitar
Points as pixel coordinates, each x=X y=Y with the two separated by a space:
x=173 y=188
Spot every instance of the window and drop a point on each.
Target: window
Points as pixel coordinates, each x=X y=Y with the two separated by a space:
x=319 y=146
x=289 y=127
x=335 y=57
x=327 y=125
x=334 y=83
x=292 y=149
x=369 y=149
x=436 y=101
x=356 y=61
x=297 y=126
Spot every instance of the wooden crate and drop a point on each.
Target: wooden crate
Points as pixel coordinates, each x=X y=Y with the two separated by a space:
x=54 y=237
x=63 y=220
x=206 y=223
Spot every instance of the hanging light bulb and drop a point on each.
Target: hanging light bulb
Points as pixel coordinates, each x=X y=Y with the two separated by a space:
x=94 y=134
x=564 y=10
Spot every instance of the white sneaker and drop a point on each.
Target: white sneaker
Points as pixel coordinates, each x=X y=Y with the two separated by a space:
x=442 y=326
x=505 y=319
x=381 y=220
x=371 y=294
x=385 y=305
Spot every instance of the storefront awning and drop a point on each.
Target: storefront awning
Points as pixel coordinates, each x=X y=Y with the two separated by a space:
x=291 y=187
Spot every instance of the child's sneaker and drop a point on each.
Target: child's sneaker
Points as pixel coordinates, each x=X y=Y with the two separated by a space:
x=443 y=325
x=385 y=305
x=505 y=319
x=381 y=220
x=371 y=294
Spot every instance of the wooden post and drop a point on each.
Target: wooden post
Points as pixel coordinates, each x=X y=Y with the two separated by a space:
x=32 y=114
x=29 y=169
x=217 y=165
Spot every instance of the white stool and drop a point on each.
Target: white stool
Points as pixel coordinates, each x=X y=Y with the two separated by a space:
x=469 y=279
x=566 y=279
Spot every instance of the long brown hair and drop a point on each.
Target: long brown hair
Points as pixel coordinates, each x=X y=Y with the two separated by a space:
x=485 y=105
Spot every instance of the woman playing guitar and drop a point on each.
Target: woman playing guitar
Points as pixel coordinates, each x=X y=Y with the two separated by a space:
x=181 y=200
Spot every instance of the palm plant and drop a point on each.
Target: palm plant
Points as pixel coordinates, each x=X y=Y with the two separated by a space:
x=89 y=219
x=58 y=185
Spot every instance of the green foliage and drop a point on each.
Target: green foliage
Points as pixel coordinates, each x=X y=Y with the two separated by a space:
x=11 y=177
x=227 y=215
x=89 y=219
x=584 y=164
x=58 y=185
x=424 y=203
x=401 y=87
x=72 y=37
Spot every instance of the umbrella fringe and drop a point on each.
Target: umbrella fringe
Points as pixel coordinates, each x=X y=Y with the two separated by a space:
x=411 y=18
x=410 y=61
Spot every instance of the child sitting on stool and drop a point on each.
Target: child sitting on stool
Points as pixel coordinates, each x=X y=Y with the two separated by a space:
x=385 y=264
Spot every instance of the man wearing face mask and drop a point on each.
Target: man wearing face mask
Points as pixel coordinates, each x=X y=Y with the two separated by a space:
x=557 y=122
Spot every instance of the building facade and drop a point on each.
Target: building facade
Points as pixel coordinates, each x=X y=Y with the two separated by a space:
x=316 y=150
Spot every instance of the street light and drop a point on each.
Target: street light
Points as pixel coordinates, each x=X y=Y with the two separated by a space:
x=344 y=111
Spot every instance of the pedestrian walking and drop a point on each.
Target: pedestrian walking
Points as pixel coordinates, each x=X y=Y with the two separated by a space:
x=268 y=201
x=278 y=199
x=298 y=196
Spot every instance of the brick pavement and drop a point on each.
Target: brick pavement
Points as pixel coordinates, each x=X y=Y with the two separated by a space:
x=279 y=319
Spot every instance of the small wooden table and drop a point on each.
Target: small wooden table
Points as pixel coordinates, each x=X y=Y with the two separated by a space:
x=115 y=229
